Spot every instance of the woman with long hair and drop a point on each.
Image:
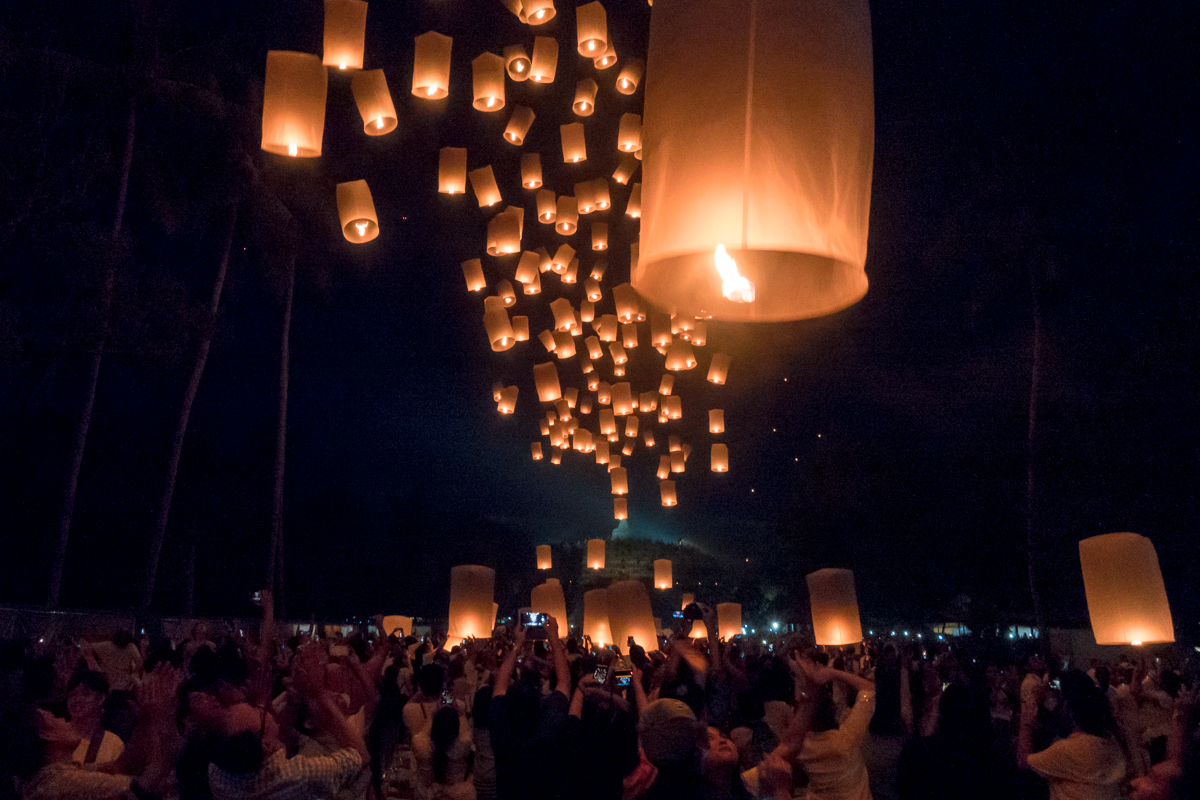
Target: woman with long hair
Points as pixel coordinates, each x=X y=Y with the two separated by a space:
x=443 y=756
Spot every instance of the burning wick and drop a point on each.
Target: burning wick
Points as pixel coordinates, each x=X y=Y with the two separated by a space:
x=491 y=102
x=431 y=91
x=362 y=228
x=379 y=122
x=1136 y=644
x=583 y=106
x=541 y=13
x=292 y=150
x=520 y=67
x=592 y=45
x=624 y=84
x=734 y=286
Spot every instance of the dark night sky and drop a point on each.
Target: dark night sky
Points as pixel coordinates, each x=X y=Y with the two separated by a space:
x=1010 y=137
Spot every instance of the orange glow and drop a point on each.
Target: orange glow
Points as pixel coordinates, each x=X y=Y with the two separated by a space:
x=734 y=286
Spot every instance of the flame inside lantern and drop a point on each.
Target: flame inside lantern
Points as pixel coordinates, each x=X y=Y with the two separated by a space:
x=734 y=286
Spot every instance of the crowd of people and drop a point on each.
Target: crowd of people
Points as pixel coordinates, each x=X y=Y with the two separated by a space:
x=537 y=713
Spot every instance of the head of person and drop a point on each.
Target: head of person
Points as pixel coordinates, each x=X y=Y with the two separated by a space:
x=122 y=638
x=1035 y=664
x=719 y=758
x=964 y=715
x=431 y=679
x=200 y=632
x=1103 y=677
x=86 y=693
x=671 y=737
x=1086 y=705
x=248 y=735
x=443 y=732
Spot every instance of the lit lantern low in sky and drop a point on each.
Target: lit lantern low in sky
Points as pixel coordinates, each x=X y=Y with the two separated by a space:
x=497 y=325
x=1126 y=597
x=548 y=599
x=556 y=456
x=585 y=197
x=504 y=232
x=573 y=145
x=716 y=420
x=452 y=170
x=374 y=102
x=294 y=90
x=538 y=12
x=620 y=485
x=547 y=205
x=487 y=79
x=356 y=211
x=520 y=326
x=507 y=403
x=471 y=591
x=545 y=60
x=678 y=463
x=775 y=165
x=543 y=556
x=599 y=236
x=834 y=607
x=397 y=624
x=729 y=620
x=545 y=377
x=630 y=76
x=666 y=490
x=629 y=134
x=720 y=457
x=718 y=368
x=473 y=272
x=431 y=66
x=662 y=574
x=595 y=617
x=625 y=169
x=345 y=33
x=566 y=218
x=536 y=447
x=595 y=553
x=585 y=97
x=630 y=615
x=517 y=63
x=633 y=208
x=518 y=127
x=483 y=181
x=680 y=356
x=620 y=508
x=531 y=173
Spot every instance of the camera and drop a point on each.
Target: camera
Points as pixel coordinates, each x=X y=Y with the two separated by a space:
x=624 y=678
x=601 y=674
x=677 y=614
x=535 y=625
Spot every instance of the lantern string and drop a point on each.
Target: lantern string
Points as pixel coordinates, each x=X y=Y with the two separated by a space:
x=749 y=105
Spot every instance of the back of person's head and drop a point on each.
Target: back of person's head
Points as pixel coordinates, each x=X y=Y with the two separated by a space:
x=1086 y=704
x=237 y=744
x=431 y=679
x=358 y=643
x=443 y=731
x=824 y=709
x=89 y=679
x=671 y=736
x=964 y=716
x=1171 y=683
x=1103 y=677
x=122 y=638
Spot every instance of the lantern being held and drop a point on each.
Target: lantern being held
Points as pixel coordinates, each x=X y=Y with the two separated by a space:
x=1126 y=597
x=730 y=231
x=573 y=146
x=662 y=574
x=595 y=616
x=629 y=615
x=294 y=90
x=356 y=211
x=595 y=553
x=452 y=170
x=834 y=607
x=729 y=620
x=518 y=127
x=545 y=60
x=487 y=79
x=431 y=66
x=374 y=102
x=471 y=591
x=345 y=32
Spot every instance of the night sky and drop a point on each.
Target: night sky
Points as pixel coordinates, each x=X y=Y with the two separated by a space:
x=1017 y=144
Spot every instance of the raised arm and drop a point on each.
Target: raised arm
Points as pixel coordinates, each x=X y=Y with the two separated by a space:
x=309 y=672
x=562 y=672
x=504 y=675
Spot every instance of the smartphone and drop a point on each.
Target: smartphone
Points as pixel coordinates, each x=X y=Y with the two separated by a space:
x=338 y=651
x=624 y=678
x=535 y=625
x=677 y=615
x=1056 y=684
x=447 y=698
x=256 y=598
x=601 y=674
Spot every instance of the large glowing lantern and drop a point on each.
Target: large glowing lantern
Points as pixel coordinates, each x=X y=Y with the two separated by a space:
x=595 y=616
x=591 y=27
x=294 y=90
x=531 y=177
x=662 y=574
x=620 y=484
x=729 y=620
x=625 y=169
x=595 y=552
x=473 y=272
x=1126 y=598
x=716 y=420
x=599 y=235
x=545 y=59
x=631 y=76
x=538 y=11
x=629 y=615
x=573 y=146
x=585 y=97
x=566 y=215
x=620 y=507
x=487 y=80
x=545 y=377
x=629 y=133
x=680 y=356
x=471 y=590
x=547 y=206
x=497 y=324
x=775 y=164
x=356 y=211
x=548 y=599
x=834 y=607
x=543 y=555
x=399 y=625
x=517 y=62
x=718 y=368
x=720 y=457
x=374 y=102
x=518 y=127
x=431 y=66
x=345 y=33
x=666 y=490
x=452 y=170
x=483 y=181
x=633 y=208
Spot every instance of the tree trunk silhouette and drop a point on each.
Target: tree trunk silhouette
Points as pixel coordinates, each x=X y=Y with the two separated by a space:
x=276 y=546
x=85 y=416
x=1034 y=382
x=185 y=411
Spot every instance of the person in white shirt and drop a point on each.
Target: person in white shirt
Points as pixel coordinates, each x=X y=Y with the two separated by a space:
x=832 y=754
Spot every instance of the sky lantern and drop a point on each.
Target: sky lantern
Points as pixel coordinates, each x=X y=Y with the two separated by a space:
x=622 y=399
x=630 y=76
x=602 y=452
x=666 y=385
x=566 y=215
x=483 y=181
x=497 y=390
x=620 y=485
x=720 y=457
x=607 y=58
x=631 y=427
x=516 y=7
x=508 y=400
x=546 y=205
x=543 y=550
x=680 y=356
x=556 y=456
x=599 y=268
x=504 y=232
x=834 y=607
x=564 y=345
x=600 y=194
x=664 y=467
x=585 y=97
x=678 y=464
x=648 y=437
x=633 y=208
x=718 y=368
x=648 y=401
x=660 y=331
x=595 y=553
x=548 y=599
x=452 y=170
x=532 y=287
x=356 y=211
x=517 y=63
x=735 y=231
x=1126 y=597
x=397 y=624
x=496 y=323
x=607 y=327
x=520 y=326
x=585 y=197
x=573 y=146
x=620 y=508
x=595 y=615
x=591 y=288
x=545 y=60
x=294 y=90
x=593 y=346
x=587 y=310
x=626 y=301
x=674 y=445
x=700 y=334
x=716 y=420
x=487 y=80
x=591 y=28
x=562 y=259
x=585 y=405
x=617 y=351
x=666 y=490
x=629 y=133
x=345 y=33
x=545 y=377
x=471 y=591
x=626 y=166
x=473 y=272
x=629 y=334
x=431 y=66
x=608 y=424
x=531 y=172
x=569 y=275
x=599 y=236
x=662 y=574
x=571 y=395
x=629 y=615
x=687 y=599
x=505 y=293
x=729 y=620
x=544 y=425
x=538 y=11
x=518 y=127
x=527 y=267
x=547 y=340
x=374 y=102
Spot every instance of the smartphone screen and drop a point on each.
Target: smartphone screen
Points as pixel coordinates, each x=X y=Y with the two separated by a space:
x=624 y=678
x=601 y=674
x=447 y=698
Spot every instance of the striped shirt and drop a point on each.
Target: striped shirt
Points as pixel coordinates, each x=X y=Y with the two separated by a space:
x=283 y=778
